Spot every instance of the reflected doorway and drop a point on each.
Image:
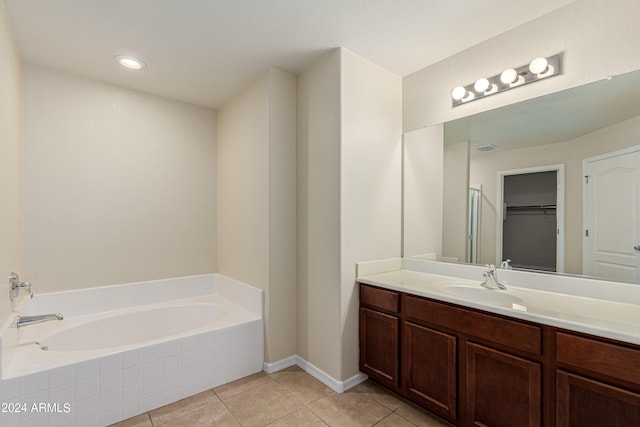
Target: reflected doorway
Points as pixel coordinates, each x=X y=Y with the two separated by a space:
x=530 y=229
x=611 y=215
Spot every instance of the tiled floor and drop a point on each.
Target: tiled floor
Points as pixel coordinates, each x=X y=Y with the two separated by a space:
x=287 y=398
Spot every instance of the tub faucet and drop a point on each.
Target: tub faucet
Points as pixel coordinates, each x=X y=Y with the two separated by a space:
x=491 y=278
x=32 y=320
x=16 y=285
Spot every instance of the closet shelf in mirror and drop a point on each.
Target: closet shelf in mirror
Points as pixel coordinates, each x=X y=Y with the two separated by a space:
x=529 y=207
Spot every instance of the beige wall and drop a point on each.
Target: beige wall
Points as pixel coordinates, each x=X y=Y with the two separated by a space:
x=370 y=194
x=11 y=226
x=243 y=187
x=484 y=169
x=281 y=341
x=349 y=180
x=423 y=186
x=597 y=38
x=119 y=185
x=256 y=200
x=455 y=204
x=318 y=214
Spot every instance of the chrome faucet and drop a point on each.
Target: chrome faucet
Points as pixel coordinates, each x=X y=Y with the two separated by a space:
x=491 y=278
x=15 y=285
x=32 y=320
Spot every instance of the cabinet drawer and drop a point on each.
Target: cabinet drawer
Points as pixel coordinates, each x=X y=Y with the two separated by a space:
x=380 y=298
x=514 y=334
x=597 y=356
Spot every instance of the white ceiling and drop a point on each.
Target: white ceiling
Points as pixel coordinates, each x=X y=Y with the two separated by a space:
x=203 y=51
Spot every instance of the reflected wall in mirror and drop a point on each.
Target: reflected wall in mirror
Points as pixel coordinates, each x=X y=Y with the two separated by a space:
x=568 y=128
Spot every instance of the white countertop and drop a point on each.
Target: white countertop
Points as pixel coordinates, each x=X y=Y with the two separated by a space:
x=602 y=317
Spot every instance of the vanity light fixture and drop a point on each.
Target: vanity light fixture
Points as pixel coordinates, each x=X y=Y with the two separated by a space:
x=130 y=62
x=538 y=69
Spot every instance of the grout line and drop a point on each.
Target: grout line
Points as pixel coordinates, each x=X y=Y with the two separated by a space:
x=289 y=390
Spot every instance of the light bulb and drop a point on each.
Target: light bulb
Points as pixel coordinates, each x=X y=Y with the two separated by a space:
x=130 y=62
x=509 y=76
x=458 y=93
x=538 y=65
x=481 y=85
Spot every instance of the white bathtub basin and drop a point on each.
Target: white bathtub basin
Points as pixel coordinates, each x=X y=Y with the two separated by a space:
x=132 y=328
x=127 y=349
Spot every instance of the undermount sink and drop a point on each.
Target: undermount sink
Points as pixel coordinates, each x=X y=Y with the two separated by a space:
x=482 y=294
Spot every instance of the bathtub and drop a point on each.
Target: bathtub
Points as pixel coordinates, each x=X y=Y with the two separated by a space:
x=127 y=349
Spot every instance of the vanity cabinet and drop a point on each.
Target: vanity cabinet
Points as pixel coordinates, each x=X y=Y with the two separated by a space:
x=502 y=389
x=597 y=382
x=476 y=368
x=490 y=364
x=379 y=335
x=469 y=367
x=429 y=368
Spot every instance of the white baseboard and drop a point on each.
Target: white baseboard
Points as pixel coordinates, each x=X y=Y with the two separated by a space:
x=270 y=368
x=317 y=373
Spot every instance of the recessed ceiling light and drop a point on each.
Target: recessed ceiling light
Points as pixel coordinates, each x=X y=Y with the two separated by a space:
x=488 y=147
x=130 y=62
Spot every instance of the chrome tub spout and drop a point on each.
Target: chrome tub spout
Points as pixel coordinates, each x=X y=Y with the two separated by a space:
x=32 y=320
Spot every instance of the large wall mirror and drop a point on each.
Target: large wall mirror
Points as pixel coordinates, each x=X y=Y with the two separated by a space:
x=552 y=182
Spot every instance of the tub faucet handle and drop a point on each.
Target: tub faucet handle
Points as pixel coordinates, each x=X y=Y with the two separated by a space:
x=15 y=285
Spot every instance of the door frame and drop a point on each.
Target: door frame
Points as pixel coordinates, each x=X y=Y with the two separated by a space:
x=474 y=230
x=585 y=202
x=560 y=201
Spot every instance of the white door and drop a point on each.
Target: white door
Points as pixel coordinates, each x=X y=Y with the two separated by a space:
x=612 y=216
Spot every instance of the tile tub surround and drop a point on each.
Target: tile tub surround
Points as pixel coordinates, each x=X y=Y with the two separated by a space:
x=596 y=307
x=106 y=389
x=290 y=397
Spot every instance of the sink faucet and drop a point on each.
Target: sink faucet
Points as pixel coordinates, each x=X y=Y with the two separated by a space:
x=15 y=286
x=32 y=320
x=491 y=278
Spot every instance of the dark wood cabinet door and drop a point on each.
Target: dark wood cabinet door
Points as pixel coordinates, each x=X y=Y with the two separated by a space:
x=502 y=390
x=379 y=348
x=429 y=368
x=582 y=402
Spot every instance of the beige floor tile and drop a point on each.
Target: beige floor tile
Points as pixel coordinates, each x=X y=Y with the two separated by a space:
x=243 y=384
x=215 y=414
x=293 y=368
x=395 y=420
x=420 y=417
x=139 y=421
x=302 y=417
x=379 y=394
x=349 y=409
x=303 y=386
x=262 y=405
x=182 y=407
